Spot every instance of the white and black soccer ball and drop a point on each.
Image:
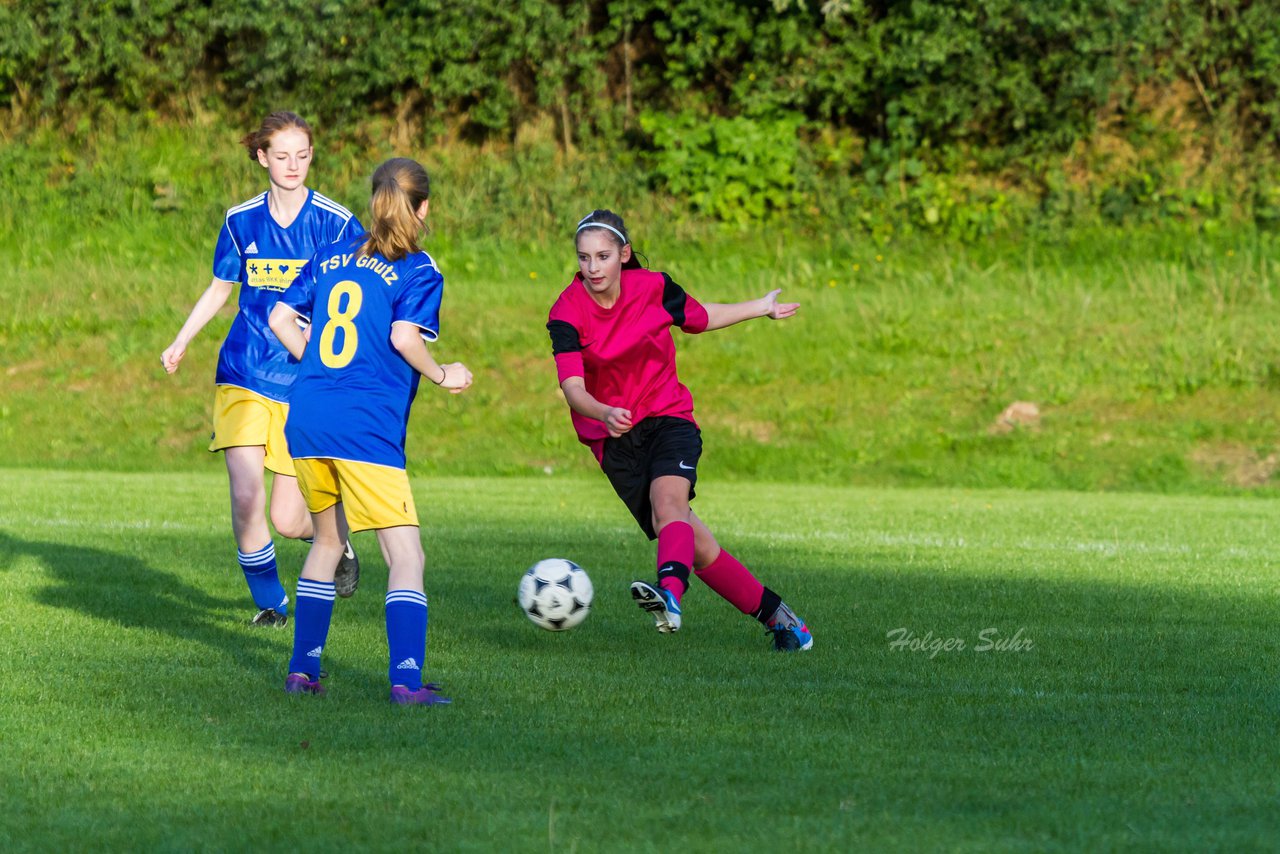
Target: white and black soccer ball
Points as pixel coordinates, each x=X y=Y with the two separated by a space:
x=555 y=594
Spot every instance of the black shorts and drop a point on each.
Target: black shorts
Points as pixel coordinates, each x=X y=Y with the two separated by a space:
x=653 y=448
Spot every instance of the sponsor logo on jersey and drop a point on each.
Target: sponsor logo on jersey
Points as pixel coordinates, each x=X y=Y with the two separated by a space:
x=272 y=274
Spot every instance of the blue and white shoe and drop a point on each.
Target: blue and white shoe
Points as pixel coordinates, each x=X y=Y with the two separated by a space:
x=660 y=603
x=795 y=638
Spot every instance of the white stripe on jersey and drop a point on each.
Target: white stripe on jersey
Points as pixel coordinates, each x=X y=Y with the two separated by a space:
x=329 y=205
x=431 y=262
x=256 y=201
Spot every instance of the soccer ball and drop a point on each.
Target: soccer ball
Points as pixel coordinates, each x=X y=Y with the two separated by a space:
x=555 y=594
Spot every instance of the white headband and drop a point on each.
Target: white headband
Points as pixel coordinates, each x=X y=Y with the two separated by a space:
x=583 y=225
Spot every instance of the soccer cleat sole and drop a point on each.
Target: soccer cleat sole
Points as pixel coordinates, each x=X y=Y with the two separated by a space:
x=650 y=599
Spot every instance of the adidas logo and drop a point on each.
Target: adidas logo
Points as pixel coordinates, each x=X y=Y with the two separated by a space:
x=315 y=653
x=408 y=664
x=252 y=247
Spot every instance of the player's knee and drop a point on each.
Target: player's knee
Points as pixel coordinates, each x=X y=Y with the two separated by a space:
x=291 y=526
x=666 y=512
x=246 y=502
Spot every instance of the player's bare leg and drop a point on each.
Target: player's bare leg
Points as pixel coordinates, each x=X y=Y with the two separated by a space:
x=255 y=551
x=291 y=519
x=669 y=498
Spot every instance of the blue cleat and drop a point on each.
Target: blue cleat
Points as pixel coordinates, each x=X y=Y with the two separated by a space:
x=660 y=603
x=795 y=638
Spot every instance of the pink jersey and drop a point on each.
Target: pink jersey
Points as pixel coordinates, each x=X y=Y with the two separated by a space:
x=625 y=354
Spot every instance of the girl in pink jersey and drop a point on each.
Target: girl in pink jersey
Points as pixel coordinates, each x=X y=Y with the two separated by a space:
x=615 y=359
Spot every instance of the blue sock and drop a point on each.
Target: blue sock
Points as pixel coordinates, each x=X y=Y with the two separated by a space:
x=264 y=582
x=406 y=636
x=311 y=625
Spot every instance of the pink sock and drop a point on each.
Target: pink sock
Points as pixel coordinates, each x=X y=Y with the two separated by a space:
x=733 y=581
x=675 y=555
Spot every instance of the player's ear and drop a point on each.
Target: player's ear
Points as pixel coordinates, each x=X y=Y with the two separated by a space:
x=423 y=209
x=625 y=254
x=262 y=157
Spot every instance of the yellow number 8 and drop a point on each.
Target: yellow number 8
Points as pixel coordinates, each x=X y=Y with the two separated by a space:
x=339 y=319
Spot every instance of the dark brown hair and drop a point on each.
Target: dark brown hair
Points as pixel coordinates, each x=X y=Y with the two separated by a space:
x=611 y=225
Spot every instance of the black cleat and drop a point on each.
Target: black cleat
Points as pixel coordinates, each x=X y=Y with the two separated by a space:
x=269 y=617
x=347 y=578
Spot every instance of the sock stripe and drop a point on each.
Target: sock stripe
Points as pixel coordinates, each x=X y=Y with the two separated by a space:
x=323 y=590
x=411 y=597
x=264 y=555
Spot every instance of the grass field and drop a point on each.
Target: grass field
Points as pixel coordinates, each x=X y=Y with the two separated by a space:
x=1135 y=708
x=1150 y=352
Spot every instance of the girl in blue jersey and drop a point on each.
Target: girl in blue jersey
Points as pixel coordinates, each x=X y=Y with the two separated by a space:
x=263 y=244
x=372 y=302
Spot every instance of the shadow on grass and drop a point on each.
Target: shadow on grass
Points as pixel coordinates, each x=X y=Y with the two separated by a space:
x=1140 y=713
x=122 y=590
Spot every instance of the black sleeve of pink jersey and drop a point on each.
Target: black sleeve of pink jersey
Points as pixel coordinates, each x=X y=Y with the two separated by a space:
x=673 y=299
x=685 y=311
x=564 y=338
x=566 y=346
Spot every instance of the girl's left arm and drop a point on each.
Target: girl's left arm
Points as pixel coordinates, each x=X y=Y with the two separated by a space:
x=720 y=315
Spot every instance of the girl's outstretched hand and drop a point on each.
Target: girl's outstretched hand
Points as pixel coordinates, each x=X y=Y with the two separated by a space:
x=456 y=377
x=775 y=310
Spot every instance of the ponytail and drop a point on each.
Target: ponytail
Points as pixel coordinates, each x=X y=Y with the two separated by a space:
x=260 y=139
x=400 y=186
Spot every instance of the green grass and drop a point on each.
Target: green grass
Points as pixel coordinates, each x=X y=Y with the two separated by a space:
x=139 y=711
x=1151 y=354
x=1153 y=373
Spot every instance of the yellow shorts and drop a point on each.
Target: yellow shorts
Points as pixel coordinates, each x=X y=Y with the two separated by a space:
x=372 y=496
x=245 y=418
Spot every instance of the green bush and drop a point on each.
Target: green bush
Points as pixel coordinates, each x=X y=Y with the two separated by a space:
x=736 y=169
x=956 y=109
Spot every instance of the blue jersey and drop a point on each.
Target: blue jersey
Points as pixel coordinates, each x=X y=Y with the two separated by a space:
x=352 y=396
x=254 y=250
